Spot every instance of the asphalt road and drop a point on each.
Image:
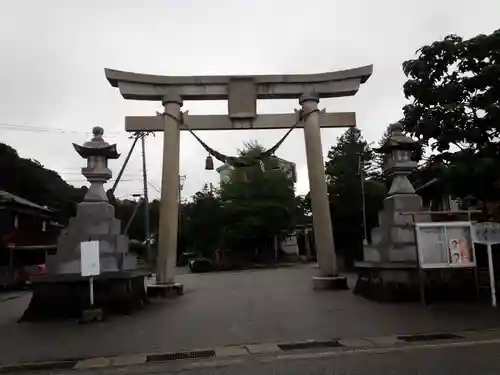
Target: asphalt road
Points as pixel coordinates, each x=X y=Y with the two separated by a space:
x=240 y=308
x=479 y=358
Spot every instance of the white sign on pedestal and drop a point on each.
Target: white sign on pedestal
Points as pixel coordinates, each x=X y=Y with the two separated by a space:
x=89 y=258
x=89 y=261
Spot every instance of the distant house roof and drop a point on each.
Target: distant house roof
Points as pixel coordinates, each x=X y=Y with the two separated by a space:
x=226 y=166
x=223 y=167
x=9 y=197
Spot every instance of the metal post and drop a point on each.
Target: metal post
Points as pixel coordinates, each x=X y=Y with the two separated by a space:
x=91 y=291
x=179 y=217
x=420 y=270
x=363 y=203
x=146 y=199
x=492 y=277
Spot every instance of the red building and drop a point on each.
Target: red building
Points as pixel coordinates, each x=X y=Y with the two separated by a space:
x=27 y=233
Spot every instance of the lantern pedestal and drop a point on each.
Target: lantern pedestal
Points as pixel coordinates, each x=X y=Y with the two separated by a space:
x=394 y=239
x=389 y=271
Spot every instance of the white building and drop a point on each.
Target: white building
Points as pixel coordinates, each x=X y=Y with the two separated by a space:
x=286 y=166
x=224 y=172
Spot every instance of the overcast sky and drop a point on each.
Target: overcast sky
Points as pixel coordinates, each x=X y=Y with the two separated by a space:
x=53 y=55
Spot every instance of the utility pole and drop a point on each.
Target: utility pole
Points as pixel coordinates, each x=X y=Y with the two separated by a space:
x=136 y=138
x=146 y=199
x=136 y=208
x=182 y=178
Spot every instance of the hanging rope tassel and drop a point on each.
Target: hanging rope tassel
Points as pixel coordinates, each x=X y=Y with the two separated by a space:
x=209 y=163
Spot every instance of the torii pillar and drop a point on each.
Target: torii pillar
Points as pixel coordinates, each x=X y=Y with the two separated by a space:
x=242 y=93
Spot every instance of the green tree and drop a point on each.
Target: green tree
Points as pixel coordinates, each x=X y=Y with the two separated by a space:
x=258 y=204
x=29 y=179
x=379 y=159
x=201 y=222
x=454 y=88
x=348 y=165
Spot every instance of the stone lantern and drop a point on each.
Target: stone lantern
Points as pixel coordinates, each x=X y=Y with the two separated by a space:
x=398 y=151
x=97 y=152
x=393 y=241
x=389 y=270
x=120 y=284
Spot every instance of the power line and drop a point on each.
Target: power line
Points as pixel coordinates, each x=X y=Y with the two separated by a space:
x=44 y=129
x=128 y=174
x=154 y=186
x=84 y=180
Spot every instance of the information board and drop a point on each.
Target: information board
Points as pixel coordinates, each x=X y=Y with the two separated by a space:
x=89 y=258
x=445 y=244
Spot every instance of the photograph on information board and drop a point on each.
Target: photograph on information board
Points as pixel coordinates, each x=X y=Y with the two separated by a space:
x=459 y=251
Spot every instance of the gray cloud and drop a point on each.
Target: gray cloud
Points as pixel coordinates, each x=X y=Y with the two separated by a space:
x=54 y=54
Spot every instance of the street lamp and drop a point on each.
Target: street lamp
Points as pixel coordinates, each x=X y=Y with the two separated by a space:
x=363 y=202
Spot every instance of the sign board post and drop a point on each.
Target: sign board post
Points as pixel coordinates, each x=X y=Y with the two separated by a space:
x=89 y=261
x=488 y=234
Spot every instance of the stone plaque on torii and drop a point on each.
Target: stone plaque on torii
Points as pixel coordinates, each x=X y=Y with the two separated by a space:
x=242 y=93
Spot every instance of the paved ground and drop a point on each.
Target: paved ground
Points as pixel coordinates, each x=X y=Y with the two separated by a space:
x=230 y=308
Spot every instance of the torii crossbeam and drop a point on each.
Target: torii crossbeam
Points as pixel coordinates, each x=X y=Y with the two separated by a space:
x=223 y=122
x=242 y=92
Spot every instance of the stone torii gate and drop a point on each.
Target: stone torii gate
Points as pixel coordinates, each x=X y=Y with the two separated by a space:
x=242 y=93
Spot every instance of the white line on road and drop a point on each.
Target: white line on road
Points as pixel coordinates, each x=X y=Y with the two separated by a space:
x=213 y=363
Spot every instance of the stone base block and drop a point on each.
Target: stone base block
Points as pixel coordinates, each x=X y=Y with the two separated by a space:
x=165 y=290
x=330 y=282
x=69 y=299
x=92 y=316
x=393 y=282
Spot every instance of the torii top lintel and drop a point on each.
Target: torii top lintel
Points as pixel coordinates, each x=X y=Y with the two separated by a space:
x=153 y=87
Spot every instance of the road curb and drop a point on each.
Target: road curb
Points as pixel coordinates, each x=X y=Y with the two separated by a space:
x=377 y=342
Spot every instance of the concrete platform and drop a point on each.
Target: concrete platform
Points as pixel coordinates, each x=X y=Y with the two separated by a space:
x=165 y=290
x=404 y=282
x=330 y=283
x=68 y=296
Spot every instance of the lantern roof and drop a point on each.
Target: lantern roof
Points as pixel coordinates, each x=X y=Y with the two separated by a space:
x=397 y=140
x=97 y=146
